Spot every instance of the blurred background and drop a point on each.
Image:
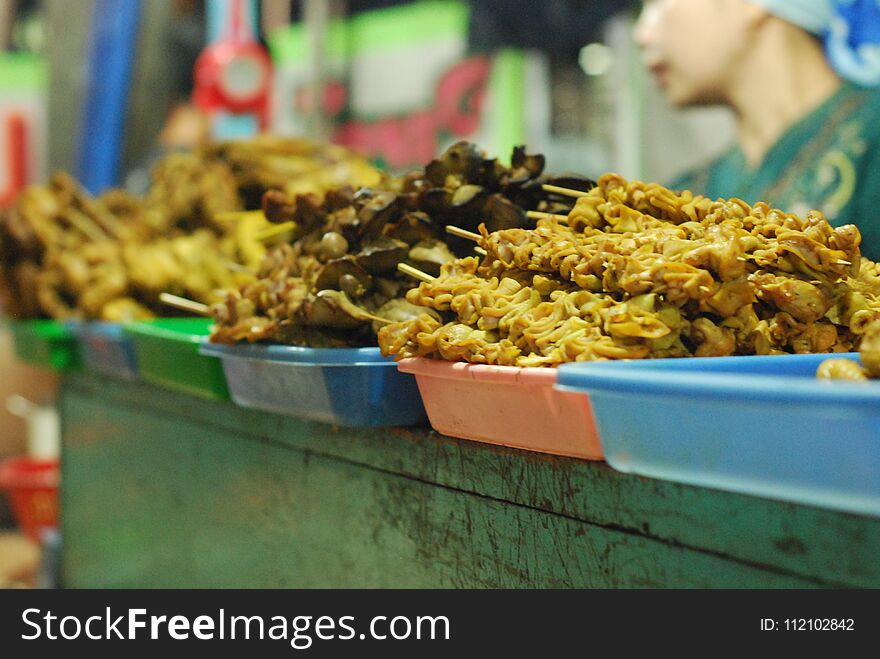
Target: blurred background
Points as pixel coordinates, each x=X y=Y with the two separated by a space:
x=103 y=88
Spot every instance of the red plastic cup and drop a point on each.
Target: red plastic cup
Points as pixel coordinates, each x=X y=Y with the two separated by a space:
x=32 y=488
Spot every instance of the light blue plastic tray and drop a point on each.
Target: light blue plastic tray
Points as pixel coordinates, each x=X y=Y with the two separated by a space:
x=347 y=387
x=105 y=348
x=758 y=425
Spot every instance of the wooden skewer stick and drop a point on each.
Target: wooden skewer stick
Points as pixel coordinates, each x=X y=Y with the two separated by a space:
x=481 y=251
x=276 y=230
x=232 y=266
x=842 y=262
x=238 y=215
x=184 y=304
x=378 y=319
x=91 y=229
x=538 y=215
x=109 y=223
x=415 y=273
x=464 y=233
x=568 y=192
x=341 y=301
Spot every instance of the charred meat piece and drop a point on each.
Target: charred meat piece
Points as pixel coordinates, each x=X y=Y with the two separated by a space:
x=429 y=255
x=346 y=272
x=278 y=206
x=334 y=309
x=501 y=213
x=332 y=245
x=462 y=161
x=382 y=255
x=381 y=209
x=412 y=228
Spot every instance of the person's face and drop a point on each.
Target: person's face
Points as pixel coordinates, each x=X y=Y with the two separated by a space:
x=692 y=46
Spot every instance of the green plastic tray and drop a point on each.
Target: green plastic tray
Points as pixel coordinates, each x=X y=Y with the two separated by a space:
x=167 y=352
x=46 y=343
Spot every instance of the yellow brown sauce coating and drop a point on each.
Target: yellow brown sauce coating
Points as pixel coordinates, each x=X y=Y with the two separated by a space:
x=640 y=271
x=848 y=369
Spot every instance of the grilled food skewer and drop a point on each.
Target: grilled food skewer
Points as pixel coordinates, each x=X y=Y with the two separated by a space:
x=184 y=304
x=415 y=273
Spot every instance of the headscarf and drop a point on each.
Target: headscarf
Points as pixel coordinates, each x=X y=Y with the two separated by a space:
x=812 y=15
x=850 y=29
x=853 y=41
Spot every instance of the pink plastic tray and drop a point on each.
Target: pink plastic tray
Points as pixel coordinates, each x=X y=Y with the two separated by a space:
x=505 y=405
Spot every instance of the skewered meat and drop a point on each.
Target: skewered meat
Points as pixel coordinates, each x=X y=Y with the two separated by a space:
x=636 y=270
x=64 y=253
x=340 y=271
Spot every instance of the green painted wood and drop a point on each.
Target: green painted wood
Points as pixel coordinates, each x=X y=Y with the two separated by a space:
x=162 y=489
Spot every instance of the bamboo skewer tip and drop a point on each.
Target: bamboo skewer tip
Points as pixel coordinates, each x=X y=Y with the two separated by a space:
x=568 y=192
x=541 y=215
x=232 y=266
x=275 y=230
x=463 y=233
x=415 y=273
x=228 y=216
x=184 y=304
x=377 y=319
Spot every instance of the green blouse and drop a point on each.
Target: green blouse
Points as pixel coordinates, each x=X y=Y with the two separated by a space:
x=830 y=161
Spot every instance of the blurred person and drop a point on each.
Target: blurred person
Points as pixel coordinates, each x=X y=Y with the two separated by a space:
x=184 y=126
x=801 y=78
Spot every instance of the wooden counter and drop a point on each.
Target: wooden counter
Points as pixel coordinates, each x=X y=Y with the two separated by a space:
x=161 y=489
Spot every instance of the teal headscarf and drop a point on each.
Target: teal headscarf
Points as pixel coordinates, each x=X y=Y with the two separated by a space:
x=812 y=15
x=850 y=28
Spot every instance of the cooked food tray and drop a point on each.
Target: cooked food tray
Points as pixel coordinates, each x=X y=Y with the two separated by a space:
x=506 y=405
x=167 y=352
x=343 y=386
x=759 y=425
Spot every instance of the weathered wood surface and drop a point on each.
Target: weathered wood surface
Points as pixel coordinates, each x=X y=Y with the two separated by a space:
x=162 y=489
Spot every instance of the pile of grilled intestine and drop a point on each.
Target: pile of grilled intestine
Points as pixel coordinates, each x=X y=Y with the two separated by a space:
x=639 y=271
x=336 y=280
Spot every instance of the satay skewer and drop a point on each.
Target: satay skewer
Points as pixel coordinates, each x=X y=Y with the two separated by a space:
x=481 y=251
x=276 y=230
x=464 y=233
x=109 y=224
x=229 y=216
x=232 y=266
x=540 y=215
x=378 y=319
x=184 y=304
x=86 y=225
x=568 y=192
x=415 y=273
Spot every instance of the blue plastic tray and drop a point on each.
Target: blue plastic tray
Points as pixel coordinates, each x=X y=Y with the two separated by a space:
x=759 y=425
x=105 y=348
x=347 y=387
